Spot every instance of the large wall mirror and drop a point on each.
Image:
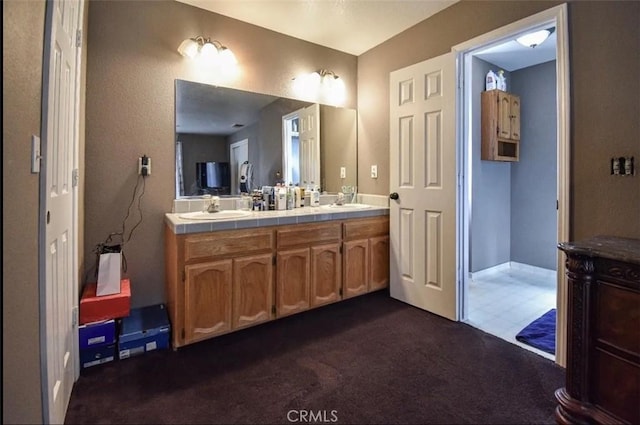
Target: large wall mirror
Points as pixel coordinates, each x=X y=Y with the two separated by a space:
x=230 y=141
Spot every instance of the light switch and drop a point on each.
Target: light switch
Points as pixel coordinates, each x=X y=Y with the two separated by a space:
x=343 y=172
x=374 y=171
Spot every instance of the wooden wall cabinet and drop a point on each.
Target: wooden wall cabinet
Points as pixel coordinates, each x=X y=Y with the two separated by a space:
x=603 y=332
x=500 y=126
x=223 y=281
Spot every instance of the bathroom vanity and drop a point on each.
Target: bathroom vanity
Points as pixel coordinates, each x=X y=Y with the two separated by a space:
x=223 y=276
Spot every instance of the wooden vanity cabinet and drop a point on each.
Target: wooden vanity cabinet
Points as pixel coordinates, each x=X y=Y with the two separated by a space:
x=307 y=266
x=222 y=281
x=365 y=255
x=500 y=126
x=218 y=282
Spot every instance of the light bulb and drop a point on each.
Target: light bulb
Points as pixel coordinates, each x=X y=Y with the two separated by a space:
x=209 y=52
x=188 y=48
x=227 y=57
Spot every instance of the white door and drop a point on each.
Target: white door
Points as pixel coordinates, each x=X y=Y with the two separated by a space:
x=423 y=175
x=239 y=153
x=310 y=145
x=58 y=195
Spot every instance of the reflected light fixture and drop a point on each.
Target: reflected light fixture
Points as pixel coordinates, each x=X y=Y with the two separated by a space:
x=321 y=85
x=207 y=50
x=533 y=39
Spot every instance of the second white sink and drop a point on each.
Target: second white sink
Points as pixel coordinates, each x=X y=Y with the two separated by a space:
x=346 y=207
x=220 y=215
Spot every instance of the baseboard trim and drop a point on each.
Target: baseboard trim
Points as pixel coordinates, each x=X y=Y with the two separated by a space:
x=514 y=265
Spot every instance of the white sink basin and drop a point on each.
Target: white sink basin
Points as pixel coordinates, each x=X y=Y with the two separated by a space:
x=346 y=207
x=220 y=215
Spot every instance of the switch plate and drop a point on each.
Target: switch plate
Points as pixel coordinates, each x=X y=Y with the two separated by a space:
x=35 y=154
x=343 y=172
x=374 y=171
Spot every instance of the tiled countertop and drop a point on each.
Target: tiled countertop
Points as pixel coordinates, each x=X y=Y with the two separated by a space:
x=268 y=218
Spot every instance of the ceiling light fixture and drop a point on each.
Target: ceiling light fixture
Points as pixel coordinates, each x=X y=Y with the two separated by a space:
x=321 y=85
x=534 y=38
x=210 y=51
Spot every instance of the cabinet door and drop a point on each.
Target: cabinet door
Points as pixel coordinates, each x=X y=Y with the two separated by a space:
x=326 y=274
x=379 y=260
x=504 y=115
x=355 y=262
x=207 y=300
x=292 y=281
x=252 y=290
x=514 y=107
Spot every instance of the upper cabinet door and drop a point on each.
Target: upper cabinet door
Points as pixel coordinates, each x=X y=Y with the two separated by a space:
x=504 y=115
x=515 y=117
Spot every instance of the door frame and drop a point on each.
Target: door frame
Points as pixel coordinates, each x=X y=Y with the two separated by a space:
x=235 y=186
x=557 y=16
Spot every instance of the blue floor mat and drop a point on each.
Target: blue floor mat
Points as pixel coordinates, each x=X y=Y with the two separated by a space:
x=541 y=333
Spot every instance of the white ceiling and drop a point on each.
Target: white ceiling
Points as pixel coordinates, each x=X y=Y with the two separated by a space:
x=351 y=26
x=511 y=55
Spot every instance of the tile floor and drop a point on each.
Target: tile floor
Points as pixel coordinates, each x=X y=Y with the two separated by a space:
x=504 y=300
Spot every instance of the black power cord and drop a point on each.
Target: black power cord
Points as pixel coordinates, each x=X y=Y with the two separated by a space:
x=109 y=246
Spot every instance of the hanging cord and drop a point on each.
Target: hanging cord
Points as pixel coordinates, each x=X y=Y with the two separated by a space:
x=108 y=246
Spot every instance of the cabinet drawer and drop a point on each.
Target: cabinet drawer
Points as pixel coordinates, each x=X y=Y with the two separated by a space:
x=366 y=228
x=308 y=234
x=229 y=243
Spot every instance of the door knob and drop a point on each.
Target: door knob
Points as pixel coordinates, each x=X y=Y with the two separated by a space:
x=394 y=196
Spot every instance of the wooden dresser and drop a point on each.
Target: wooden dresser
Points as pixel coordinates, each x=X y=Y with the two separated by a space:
x=603 y=332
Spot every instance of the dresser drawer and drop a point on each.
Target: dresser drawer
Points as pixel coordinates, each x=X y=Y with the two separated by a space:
x=618 y=317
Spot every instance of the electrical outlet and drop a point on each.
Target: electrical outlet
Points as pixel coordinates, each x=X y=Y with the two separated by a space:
x=374 y=171
x=343 y=172
x=144 y=166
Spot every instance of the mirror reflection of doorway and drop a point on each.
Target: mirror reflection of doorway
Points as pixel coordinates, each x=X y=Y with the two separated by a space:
x=238 y=153
x=291 y=147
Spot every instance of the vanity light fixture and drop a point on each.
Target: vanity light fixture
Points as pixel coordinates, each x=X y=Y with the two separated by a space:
x=207 y=50
x=322 y=84
x=533 y=39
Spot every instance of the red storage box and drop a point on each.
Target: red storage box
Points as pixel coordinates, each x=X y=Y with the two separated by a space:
x=94 y=308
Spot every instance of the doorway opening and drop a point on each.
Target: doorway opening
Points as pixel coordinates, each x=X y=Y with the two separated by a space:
x=512 y=213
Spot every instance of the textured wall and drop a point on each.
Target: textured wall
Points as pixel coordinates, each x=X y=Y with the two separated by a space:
x=490 y=232
x=534 y=225
x=605 y=103
x=21 y=107
x=132 y=67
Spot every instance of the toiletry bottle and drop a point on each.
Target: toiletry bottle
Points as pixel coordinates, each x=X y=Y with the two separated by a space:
x=491 y=83
x=302 y=193
x=281 y=198
x=296 y=202
x=290 y=196
x=315 y=196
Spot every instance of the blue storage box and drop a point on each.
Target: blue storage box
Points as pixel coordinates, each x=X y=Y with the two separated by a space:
x=145 y=329
x=97 y=355
x=97 y=333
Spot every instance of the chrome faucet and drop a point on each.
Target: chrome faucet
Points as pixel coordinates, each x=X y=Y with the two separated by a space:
x=213 y=204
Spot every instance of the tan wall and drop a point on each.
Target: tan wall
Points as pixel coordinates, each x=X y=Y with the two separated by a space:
x=21 y=99
x=604 y=54
x=132 y=65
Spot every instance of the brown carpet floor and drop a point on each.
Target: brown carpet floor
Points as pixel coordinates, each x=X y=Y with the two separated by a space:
x=371 y=359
